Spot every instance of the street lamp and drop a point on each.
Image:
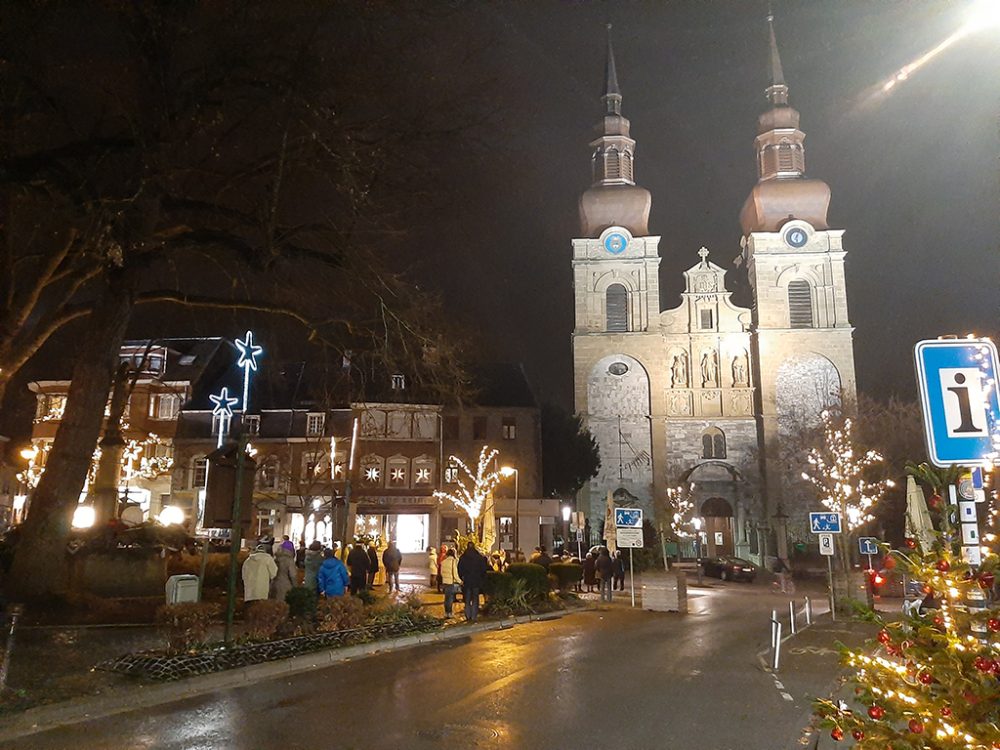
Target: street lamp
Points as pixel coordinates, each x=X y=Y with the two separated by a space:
x=697 y=523
x=565 y=515
x=508 y=471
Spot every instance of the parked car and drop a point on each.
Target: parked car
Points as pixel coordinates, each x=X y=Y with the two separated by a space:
x=729 y=568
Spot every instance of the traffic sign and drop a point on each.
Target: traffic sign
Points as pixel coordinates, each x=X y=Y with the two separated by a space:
x=957 y=380
x=826 y=544
x=628 y=518
x=629 y=536
x=824 y=523
x=868 y=545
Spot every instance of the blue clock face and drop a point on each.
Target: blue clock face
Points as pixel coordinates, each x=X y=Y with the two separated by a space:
x=796 y=237
x=615 y=243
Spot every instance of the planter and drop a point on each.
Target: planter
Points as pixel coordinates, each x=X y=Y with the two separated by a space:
x=163 y=667
x=120 y=573
x=847 y=588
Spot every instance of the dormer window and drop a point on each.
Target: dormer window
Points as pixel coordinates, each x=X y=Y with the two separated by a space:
x=315 y=424
x=398 y=382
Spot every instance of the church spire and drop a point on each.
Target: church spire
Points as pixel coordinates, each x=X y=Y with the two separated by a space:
x=782 y=191
x=612 y=94
x=777 y=92
x=613 y=198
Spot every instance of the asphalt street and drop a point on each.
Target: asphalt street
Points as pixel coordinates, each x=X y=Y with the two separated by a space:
x=620 y=677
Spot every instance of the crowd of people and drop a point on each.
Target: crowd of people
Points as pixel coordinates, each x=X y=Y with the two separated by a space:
x=275 y=567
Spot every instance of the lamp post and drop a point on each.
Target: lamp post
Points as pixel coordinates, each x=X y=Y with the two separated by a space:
x=508 y=471
x=565 y=515
x=697 y=523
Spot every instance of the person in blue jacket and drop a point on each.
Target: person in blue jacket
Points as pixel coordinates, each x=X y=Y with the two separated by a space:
x=332 y=579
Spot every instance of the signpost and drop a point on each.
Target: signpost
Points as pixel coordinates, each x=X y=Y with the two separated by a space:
x=826 y=525
x=960 y=402
x=868 y=545
x=628 y=532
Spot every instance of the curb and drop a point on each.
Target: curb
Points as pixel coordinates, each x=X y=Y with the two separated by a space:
x=132 y=697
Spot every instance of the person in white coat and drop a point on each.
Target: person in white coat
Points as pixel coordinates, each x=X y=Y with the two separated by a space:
x=259 y=569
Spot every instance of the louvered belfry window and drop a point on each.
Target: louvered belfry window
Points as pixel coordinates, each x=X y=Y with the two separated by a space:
x=800 y=313
x=613 y=164
x=617 y=308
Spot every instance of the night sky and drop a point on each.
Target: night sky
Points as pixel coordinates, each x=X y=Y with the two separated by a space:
x=914 y=175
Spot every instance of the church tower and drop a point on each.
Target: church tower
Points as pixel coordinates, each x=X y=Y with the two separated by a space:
x=802 y=338
x=617 y=346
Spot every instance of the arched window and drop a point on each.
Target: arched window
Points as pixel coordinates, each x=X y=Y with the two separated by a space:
x=800 y=311
x=617 y=308
x=713 y=443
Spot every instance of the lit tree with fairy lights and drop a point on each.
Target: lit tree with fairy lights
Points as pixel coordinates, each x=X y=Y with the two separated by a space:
x=931 y=679
x=839 y=471
x=474 y=488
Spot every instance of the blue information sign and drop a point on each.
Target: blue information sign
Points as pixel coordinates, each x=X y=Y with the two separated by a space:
x=628 y=518
x=957 y=380
x=824 y=523
x=868 y=545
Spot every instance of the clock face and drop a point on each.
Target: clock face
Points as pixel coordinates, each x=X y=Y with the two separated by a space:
x=615 y=243
x=796 y=237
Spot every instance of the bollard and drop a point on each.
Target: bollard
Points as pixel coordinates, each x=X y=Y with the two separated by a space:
x=776 y=654
x=809 y=612
x=791 y=617
x=774 y=622
x=15 y=612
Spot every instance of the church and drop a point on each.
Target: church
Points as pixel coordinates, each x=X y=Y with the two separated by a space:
x=705 y=398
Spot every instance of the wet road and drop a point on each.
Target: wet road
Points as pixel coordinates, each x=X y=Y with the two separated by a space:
x=629 y=678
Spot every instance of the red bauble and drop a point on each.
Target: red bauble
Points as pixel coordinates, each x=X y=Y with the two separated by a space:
x=935 y=502
x=915 y=726
x=876 y=712
x=884 y=637
x=983 y=664
x=837 y=733
x=938 y=622
x=986 y=581
x=858 y=735
x=889 y=563
x=993 y=624
x=926 y=678
x=943 y=566
x=945 y=711
x=911 y=543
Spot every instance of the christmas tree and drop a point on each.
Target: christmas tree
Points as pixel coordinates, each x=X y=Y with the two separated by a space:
x=930 y=680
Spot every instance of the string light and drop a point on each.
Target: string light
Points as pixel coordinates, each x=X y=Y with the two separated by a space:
x=475 y=488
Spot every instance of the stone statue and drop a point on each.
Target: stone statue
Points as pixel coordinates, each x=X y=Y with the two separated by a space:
x=679 y=371
x=740 y=370
x=709 y=368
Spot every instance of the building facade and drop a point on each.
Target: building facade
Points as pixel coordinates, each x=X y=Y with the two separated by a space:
x=707 y=395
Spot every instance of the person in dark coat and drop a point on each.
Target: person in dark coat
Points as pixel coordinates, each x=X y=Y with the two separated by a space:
x=619 y=570
x=590 y=572
x=606 y=572
x=372 y=564
x=358 y=562
x=472 y=568
x=392 y=558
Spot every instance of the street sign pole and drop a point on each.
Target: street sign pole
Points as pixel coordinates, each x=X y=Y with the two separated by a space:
x=631 y=574
x=829 y=583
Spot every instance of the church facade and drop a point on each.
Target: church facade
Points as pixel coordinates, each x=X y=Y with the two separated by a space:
x=706 y=398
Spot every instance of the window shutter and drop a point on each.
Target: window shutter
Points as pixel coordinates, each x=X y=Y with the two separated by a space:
x=800 y=304
x=617 y=308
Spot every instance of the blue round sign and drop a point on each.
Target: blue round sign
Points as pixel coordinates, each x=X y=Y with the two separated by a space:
x=615 y=243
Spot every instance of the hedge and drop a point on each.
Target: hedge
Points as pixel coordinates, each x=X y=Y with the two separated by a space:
x=535 y=576
x=566 y=574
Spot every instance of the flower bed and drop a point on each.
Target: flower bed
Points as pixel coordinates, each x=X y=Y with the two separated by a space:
x=161 y=666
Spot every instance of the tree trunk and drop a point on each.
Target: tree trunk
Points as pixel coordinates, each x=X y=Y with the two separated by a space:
x=40 y=562
x=105 y=489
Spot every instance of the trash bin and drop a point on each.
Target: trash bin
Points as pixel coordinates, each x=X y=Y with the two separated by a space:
x=182 y=588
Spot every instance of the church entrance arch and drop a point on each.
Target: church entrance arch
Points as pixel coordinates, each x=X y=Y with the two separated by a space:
x=718 y=530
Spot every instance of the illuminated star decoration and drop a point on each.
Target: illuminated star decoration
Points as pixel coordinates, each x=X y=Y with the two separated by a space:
x=249 y=352
x=223 y=409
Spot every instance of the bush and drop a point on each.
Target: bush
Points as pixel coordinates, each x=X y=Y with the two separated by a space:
x=263 y=618
x=511 y=598
x=216 y=567
x=535 y=577
x=365 y=596
x=497 y=584
x=187 y=624
x=567 y=575
x=302 y=602
x=340 y=613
